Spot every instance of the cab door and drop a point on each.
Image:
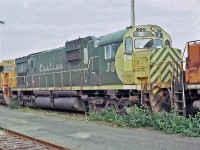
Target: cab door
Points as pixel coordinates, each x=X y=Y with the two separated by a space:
x=128 y=55
x=125 y=62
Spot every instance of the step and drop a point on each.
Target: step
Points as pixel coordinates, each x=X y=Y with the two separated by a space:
x=178 y=92
x=146 y=100
x=146 y=92
x=181 y=111
x=178 y=101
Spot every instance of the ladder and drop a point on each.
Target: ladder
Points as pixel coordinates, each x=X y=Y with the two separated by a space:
x=178 y=88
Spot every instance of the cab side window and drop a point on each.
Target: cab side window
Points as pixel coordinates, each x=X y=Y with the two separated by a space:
x=128 y=45
x=86 y=55
x=109 y=51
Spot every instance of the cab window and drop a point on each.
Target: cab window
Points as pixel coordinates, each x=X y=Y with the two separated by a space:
x=143 y=43
x=128 y=45
x=158 y=43
x=109 y=51
x=167 y=43
x=85 y=55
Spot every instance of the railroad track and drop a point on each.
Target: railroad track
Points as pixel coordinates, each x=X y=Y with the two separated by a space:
x=11 y=140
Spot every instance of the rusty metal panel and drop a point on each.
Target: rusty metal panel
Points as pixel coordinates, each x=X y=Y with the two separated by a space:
x=194 y=55
x=186 y=75
x=193 y=75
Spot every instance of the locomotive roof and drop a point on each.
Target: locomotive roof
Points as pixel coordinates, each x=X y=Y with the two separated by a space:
x=113 y=37
x=55 y=49
x=33 y=54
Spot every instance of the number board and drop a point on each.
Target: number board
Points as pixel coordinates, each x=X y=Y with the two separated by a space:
x=141 y=34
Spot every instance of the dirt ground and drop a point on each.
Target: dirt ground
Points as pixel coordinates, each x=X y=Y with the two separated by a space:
x=79 y=134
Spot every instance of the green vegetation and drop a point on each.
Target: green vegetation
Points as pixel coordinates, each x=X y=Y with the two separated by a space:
x=15 y=104
x=139 y=117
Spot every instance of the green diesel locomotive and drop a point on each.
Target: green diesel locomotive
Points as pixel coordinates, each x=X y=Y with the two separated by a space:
x=136 y=65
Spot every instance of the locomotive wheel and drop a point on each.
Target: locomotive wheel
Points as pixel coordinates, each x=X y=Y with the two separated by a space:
x=160 y=100
x=111 y=104
x=29 y=103
x=189 y=108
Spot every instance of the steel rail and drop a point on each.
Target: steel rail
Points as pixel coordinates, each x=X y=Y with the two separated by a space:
x=38 y=142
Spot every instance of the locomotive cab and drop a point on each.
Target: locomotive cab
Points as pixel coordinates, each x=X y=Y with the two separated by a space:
x=147 y=60
x=138 y=45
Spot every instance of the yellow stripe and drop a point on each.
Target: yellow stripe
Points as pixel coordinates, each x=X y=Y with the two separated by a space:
x=167 y=78
x=161 y=71
x=161 y=66
x=152 y=70
x=177 y=52
x=174 y=56
x=168 y=50
x=103 y=87
x=156 y=55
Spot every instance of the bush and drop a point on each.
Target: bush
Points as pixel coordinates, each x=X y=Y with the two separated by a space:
x=14 y=104
x=139 y=117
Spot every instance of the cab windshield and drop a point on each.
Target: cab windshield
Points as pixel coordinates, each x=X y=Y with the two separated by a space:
x=148 y=43
x=143 y=43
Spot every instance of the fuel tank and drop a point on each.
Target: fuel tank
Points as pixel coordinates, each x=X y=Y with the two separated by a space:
x=70 y=103
x=44 y=102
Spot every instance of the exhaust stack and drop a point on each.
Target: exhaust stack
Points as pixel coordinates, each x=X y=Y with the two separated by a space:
x=132 y=13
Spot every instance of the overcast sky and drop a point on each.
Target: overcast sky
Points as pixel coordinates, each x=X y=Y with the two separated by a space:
x=35 y=25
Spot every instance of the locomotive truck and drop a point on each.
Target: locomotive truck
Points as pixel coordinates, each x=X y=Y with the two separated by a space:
x=136 y=65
